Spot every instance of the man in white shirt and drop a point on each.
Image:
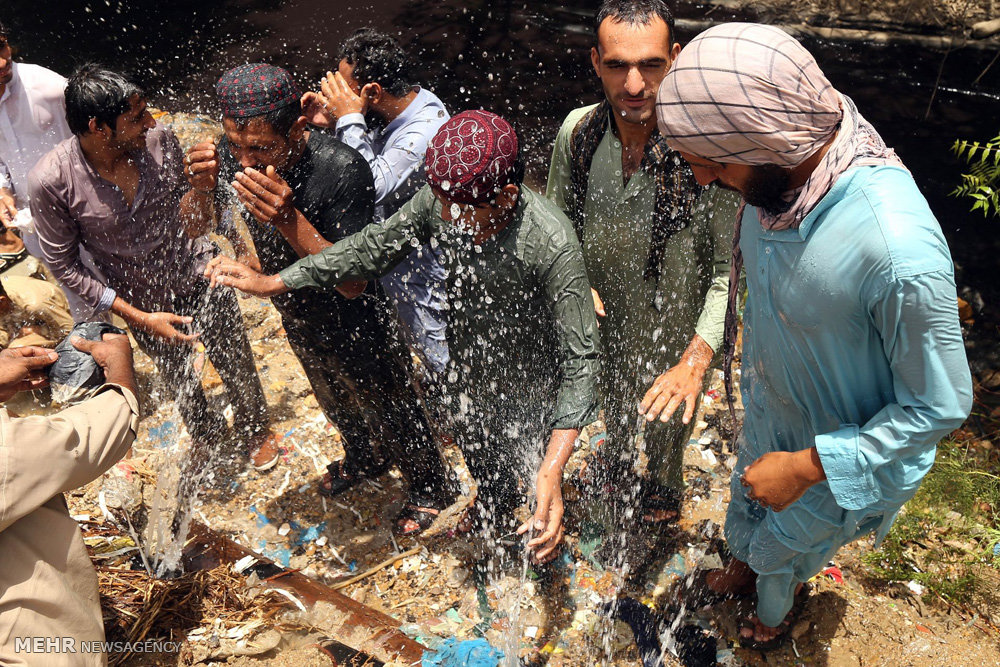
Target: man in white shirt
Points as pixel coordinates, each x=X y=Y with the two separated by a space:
x=376 y=110
x=32 y=122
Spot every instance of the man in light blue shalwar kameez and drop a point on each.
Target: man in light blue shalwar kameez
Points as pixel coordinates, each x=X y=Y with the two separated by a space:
x=853 y=361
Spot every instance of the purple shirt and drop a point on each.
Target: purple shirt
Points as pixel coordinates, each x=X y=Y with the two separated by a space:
x=143 y=251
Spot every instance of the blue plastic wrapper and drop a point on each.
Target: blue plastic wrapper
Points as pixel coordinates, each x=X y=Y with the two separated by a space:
x=463 y=653
x=76 y=376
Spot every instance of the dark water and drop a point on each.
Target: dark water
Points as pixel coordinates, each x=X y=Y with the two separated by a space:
x=526 y=61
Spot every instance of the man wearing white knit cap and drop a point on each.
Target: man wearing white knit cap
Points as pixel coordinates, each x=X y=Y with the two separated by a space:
x=853 y=361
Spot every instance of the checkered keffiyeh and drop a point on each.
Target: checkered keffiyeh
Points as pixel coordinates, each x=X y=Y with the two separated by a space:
x=744 y=93
x=256 y=89
x=471 y=157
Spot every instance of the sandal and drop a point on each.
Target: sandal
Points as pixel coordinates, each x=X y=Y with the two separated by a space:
x=659 y=498
x=338 y=480
x=746 y=623
x=416 y=517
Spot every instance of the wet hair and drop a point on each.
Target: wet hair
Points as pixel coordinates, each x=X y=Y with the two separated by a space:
x=635 y=13
x=378 y=58
x=95 y=92
x=281 y=120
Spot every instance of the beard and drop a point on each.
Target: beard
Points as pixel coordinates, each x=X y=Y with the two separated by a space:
x=766 y=188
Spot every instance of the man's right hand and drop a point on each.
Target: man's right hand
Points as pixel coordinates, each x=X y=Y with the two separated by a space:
x=164 y=326
x=23 y=369
x=8 y=208
x=201 y=166
x=113 y=354
x=230 y=273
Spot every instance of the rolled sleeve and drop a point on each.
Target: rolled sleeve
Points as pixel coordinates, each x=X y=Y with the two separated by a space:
x=848 y=473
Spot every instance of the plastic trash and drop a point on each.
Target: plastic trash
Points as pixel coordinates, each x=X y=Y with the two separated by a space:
x=463 y=653
x=75 y=376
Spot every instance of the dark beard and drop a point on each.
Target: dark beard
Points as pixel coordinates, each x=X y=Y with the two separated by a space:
x=766 y=186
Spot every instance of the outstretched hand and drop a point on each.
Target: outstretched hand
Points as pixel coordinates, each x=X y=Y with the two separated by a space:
x=546 y=524
x=24 y=369
x=230 y=273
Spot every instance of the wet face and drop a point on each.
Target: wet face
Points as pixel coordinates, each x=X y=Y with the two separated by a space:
x=258 y=145
x=631 y=61
x=131 y=127
x=760 y=185
x=6 y=63
x=474 y=218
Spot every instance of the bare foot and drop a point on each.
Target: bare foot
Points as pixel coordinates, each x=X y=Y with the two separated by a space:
x=735 y=579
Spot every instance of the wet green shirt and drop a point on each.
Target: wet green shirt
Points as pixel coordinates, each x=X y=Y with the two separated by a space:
x=521 y=325
x=648 y=324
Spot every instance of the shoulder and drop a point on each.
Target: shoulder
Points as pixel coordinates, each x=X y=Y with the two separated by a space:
x=41 y=80
x=52 y=168
x=885 y=213
x=545 y=227
x=332 y=156
x=573 y=119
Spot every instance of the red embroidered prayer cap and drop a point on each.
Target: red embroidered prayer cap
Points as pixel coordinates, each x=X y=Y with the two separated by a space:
x=471 y=157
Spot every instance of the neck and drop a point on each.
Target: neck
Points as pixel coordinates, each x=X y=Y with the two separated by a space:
x=493 y=228
x=802 y=172
x=99 y=154
x=392 y=107
x=634 y=134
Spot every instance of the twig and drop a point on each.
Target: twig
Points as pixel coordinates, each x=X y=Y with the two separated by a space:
x=384 y=564
x=983 y=73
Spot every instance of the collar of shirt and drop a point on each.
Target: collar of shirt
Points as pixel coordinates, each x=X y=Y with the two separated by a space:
x=418 y=103
x=142 y=163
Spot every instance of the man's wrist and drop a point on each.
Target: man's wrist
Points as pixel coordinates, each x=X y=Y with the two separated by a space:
x=809 y=468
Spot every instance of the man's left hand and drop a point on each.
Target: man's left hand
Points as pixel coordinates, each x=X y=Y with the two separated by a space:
x=778 y=479
x=339 y=100
x=680 y=384
x=547 y=520
x=266 y=196
x=24 y=369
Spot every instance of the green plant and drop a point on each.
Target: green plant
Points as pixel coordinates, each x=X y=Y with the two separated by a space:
x=982 y=183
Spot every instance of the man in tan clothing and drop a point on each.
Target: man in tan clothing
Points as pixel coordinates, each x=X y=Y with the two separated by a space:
x=49 y=603
x=32 y=312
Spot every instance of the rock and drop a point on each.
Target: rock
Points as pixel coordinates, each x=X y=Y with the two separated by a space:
x=457 y=577
x=985 y=29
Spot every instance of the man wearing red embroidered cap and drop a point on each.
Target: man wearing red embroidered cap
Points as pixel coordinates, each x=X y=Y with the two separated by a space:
x=521 y=331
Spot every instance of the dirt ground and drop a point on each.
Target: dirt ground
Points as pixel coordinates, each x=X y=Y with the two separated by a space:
x=850 y=621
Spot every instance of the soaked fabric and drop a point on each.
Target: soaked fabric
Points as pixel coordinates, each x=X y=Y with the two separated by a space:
x=472 y=156
x=350 y=351
x=522 y=331
x=395 y=154
x=648 y=325
x=856 y=349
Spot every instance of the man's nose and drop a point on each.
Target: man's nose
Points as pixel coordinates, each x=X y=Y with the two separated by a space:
x=703 y=176
x=247 y=161
x=634 y=83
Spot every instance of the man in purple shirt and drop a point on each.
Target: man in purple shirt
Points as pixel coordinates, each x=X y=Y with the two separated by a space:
x=115 y=189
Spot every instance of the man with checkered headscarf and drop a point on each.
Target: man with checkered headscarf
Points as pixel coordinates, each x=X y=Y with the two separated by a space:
x=853 y=361
x=521 y=331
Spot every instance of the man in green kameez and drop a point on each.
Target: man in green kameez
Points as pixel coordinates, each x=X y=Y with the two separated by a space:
x=656 y=247
x=521 y=329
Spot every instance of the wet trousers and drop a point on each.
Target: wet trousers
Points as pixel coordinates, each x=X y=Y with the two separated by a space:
x=362 y=387
x=218 y=320
x=789 y=547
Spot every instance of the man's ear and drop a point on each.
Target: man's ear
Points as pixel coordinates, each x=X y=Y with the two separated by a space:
x=94 y=127
x=298 y=129
x=595 y=60
x=371 y=93
x=507 y=197
x=675 y=51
